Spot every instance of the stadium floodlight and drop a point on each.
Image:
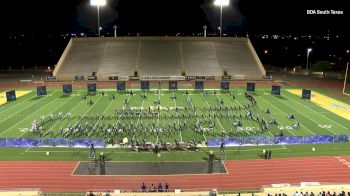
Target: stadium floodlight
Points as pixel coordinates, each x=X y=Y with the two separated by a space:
x=221 y=3
x=98 y=3
x=307 y=59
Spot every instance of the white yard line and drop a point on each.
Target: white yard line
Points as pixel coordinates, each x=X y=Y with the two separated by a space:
x=27 y=149
x=347 y=128
x=62 y=118
x=28 y=117
x=213 y=112
x=247 y=111
x=158 y=116
x=304 y=115
x=17 y=104
x=24 y=109
x=287 y=115
x=86 y=112
x=104 y=112
x=283 y=113
x=56 y=122
x=178 y=121
x=138 y=119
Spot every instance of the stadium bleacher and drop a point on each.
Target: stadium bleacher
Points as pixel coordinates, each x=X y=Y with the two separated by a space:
x=159 y=56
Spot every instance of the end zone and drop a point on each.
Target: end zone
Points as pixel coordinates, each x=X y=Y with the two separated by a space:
x=330 y=104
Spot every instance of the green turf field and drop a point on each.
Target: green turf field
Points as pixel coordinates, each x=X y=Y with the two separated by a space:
x=17 y=116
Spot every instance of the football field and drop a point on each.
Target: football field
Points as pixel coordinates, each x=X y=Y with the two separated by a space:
x=181 y=116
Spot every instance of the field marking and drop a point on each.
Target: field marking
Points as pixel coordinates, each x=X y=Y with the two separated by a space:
x=283 y=113
x=178 y=121
x=244 y=127
x=41 y=151
x=18 y=103
x=287 y=115
x=27 y=149
x=303 y=114
x=317 y=123
x=19 y=93
x=98 y=120
x=318 y=112
x=42 y=108
x=26 y=117
x=158 y=117
x=25 y=108
x=223 y=129
x=247 y=111
x=255 y=149
x=87 y=112
x=63 y=117
x=139 y=117
x=122 y=112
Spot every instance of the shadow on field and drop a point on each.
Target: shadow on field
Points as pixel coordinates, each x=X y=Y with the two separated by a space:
x=279 y=97
x=37 y=98
x=64 y=96
x=90 y=94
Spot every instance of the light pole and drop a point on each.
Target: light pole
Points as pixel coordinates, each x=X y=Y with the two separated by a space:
x=221 y=3
x=307 y=59
x=205 y=30
x=98 y=3
x=115 y=30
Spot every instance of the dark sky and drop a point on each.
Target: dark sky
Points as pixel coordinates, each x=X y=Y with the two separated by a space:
x=171 y=16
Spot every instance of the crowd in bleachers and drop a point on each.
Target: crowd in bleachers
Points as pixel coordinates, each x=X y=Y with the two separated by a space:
x=153 y=187
x=323 y=193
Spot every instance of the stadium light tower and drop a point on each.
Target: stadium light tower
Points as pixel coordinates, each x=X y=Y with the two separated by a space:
x=98 y=3
x=307 y=58
x=221 y=3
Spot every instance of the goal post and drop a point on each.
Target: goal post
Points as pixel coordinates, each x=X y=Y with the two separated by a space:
x=346 y=87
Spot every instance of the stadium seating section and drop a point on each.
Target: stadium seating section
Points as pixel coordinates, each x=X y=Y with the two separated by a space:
x=159 y=56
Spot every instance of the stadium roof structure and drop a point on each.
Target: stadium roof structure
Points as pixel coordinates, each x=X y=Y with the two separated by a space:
x=159 y=56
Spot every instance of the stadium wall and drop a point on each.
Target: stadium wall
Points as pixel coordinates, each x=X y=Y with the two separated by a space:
x=256 y=58
x=65 y=52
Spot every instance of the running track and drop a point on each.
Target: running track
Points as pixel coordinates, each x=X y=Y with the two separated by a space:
x=242 y=174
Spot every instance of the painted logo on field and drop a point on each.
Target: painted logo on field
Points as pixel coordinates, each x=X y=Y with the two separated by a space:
x=339 y=106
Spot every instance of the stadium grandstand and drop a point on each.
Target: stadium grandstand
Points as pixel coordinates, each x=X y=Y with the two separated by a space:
x=159 y=56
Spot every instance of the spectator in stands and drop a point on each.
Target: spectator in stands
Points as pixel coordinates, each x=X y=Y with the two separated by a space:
x=108 y=193
x=166 y=187
x=91 y=193
x=152 y=188
x=160 y=187
x=143 y=187
x=296 y=193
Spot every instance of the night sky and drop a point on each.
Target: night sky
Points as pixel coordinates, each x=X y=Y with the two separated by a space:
x=35 y=32
x=158 y=17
